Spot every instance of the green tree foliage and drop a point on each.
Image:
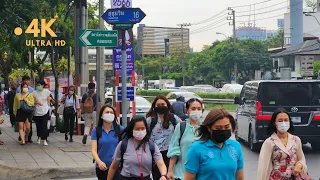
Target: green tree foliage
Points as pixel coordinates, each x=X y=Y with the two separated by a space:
x=276 y=41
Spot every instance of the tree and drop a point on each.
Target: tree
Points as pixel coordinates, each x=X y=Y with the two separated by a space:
x=316 y=67
x=276 y=41
x=311 y=4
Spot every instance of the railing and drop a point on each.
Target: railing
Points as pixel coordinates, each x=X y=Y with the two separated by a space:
x=279 y=68
x=209 y=101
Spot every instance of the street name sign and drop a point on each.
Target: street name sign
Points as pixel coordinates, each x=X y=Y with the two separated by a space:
x=90 y=37
x=130 y=93
x=122 y=26
x=123 y=15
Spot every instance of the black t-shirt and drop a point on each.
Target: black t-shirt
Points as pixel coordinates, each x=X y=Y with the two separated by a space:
x=10 y=98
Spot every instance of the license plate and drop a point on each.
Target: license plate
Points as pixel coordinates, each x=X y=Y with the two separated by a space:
x=296 y=119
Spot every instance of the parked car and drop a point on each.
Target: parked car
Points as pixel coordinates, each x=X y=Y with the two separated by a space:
x=142 y=106
x=231 y=88
x=259 y=99
x=187 y=95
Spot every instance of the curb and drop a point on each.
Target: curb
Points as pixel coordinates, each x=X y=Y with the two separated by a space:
x=18 y=173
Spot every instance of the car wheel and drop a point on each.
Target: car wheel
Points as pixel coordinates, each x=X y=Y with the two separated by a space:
x=315 y=146
x=253 y=146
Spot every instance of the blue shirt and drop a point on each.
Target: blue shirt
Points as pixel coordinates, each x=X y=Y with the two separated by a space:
x=30 y=89
x=84 y=97
x=107 y=144
x=178 y=109
x=208 y=161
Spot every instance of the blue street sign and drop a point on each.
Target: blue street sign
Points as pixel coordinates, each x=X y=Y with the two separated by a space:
x=124 y=15
x=130 y=93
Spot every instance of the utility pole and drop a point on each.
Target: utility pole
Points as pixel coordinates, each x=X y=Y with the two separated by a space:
x=182 y=51
x=100 y=63
x=83 y=59
x=124 y=80
x=235 y=68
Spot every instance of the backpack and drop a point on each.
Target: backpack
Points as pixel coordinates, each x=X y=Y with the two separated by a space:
x=123 y=149
x=88 y=106
x=154 y=121
x=183 y=125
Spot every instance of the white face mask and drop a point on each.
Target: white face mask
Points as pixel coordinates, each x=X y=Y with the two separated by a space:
x=283 y=126
x=139 y=135
x=195 y=115
x=71 y=92
x=108 y=118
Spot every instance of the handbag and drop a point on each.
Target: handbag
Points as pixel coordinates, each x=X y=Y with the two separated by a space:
x=25 y=107
x=302 y=176
x=60 y=109
x=69 y=110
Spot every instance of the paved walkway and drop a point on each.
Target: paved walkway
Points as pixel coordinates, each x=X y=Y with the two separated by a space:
x=70 y=158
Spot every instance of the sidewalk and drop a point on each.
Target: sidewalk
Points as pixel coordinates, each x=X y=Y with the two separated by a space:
x=33 y=161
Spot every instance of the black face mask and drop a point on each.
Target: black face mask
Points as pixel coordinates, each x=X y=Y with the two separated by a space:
x=161 y=109
x=220 y=136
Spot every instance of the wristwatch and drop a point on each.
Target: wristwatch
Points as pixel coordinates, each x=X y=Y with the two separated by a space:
x=165 y=176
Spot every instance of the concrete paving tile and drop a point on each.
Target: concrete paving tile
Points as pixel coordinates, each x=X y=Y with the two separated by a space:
x=85 y=164
x=28 y=165
x=68 y=165
x=9 y=160
x=44 y=160
x=47 y=165
x=25 y=161
x=12 y=164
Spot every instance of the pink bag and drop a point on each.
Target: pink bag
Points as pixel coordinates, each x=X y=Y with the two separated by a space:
x=302 y=176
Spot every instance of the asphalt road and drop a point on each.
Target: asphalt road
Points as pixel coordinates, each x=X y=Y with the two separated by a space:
x=251 y=161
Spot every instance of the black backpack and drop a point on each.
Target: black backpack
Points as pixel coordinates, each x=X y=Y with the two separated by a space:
x=183 y=125
x=123 y=149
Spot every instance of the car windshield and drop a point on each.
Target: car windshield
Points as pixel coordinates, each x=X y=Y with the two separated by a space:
x=142 y=102
x=189 y=95
x=290 y=94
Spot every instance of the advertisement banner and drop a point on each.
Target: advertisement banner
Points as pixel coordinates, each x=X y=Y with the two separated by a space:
x=307 y=66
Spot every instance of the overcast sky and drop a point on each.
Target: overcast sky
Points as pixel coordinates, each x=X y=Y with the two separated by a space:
x=169 y=13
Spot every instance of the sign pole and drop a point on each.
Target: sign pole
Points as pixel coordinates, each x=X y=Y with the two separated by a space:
x=124 y=80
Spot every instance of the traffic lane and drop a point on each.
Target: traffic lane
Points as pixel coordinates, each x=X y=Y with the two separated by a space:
x=251 y=160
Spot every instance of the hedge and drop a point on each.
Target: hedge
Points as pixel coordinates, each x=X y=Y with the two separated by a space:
x=201 y=94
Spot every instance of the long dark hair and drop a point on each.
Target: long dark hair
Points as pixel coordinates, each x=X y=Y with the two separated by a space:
x=116 y=126
x=153 y=114
x=213 y=116
x=192 y=100
x=128 y=131
x=272 y=124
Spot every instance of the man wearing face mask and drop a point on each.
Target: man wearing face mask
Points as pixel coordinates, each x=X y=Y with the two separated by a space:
x=215 y=156
x=10 y=100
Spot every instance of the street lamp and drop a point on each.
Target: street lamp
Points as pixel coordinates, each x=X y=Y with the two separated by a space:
x=308 y=14
x=219 y=33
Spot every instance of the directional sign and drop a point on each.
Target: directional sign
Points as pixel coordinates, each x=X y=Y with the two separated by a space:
x=130 y=93
x=124 y=15
x=122 y=26
x=104 y=38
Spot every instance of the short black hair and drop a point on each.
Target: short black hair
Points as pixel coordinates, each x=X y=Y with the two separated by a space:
x=25 y=78
x=91 y=85
x=272 y=124
x=41 y=82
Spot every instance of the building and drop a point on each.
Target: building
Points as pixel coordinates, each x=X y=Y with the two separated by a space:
x=162 y=40
x=250 y=32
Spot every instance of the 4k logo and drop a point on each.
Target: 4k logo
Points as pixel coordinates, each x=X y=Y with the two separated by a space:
x=45 y=28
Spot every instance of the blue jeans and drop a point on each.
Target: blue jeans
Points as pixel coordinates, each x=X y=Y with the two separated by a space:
x=5 y=108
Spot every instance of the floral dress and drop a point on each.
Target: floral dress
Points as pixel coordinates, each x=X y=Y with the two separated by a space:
x=276 y=161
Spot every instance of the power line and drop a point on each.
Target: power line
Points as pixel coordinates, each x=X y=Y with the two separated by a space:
x=212 y=24
x=209 y=29
x=262 y=7
x=250 y=4
x=210 y=18
x=262 y=12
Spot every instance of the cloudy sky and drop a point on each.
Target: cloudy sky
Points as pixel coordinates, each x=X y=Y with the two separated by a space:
x=169 y=13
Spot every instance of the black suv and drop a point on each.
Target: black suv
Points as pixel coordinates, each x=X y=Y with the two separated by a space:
x=259 y=99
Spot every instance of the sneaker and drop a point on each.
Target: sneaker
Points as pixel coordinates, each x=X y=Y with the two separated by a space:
x=45 y=143
x=19 y=138
x=70 y=140
x=66 y=137
x=84 y=139
x=38 y=141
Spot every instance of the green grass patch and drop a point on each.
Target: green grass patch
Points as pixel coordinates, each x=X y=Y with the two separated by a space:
x=229 y=107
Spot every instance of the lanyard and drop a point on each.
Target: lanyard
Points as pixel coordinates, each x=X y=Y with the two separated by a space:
x=139 y=160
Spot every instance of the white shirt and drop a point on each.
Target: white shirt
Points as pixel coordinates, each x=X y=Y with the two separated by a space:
x=70 y=102
x=41 y=97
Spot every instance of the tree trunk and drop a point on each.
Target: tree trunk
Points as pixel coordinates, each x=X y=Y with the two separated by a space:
x=55 y=74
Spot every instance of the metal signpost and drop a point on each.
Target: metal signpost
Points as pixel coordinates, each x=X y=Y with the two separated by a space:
x=123 y=19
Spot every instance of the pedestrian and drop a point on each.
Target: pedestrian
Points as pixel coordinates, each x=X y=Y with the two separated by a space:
x=1 y=104
x=41 y=113
x=281 y=155
x=71 y=110
x=135 y=154
x=4 y=96
x=10 y=100
x=215 y=156
x=26 y=80
x=179 y=107
x=23 y=116
x=1 y=122
x=51 y=105
x=104 y=140
x=184 y=135
x=89 y=108
x=162 y=124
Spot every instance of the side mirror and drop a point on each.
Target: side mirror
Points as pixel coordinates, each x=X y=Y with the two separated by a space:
x=236 y=100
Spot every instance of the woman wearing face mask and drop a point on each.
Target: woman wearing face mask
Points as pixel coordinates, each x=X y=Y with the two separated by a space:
x=215 y=156
x=162 y=124
x=23 y=117
x=181 y=141
x=137 y=159
x=104 y=140
x=281 y=156
x=71 y=107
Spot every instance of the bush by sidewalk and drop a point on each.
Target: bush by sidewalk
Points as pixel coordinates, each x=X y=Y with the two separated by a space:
x=201 y=94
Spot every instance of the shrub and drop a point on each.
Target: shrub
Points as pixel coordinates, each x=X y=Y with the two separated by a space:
x=201 y=94
x=152 y=92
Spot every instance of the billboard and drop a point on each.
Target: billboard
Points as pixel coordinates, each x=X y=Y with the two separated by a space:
x=155 y=40
x=307 y=66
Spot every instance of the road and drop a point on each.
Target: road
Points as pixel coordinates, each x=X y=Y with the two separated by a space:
x=251 y=161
